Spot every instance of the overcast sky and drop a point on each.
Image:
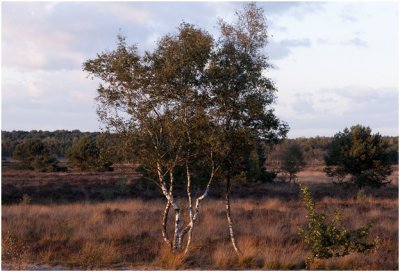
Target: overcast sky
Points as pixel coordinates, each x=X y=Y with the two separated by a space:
x=335 y=63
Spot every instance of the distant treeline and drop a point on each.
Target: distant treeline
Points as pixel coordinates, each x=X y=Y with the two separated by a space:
x=313 y=148
x=57 y=141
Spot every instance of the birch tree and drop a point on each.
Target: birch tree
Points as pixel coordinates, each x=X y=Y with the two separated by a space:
x=192 y=106
x=159 y=99
x=242 y=93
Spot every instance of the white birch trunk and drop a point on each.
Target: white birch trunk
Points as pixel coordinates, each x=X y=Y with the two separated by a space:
x=196 y=212
x=177 y=232
x=174 y=203
x=189 y=227
x=228 y=216
x=164 y=225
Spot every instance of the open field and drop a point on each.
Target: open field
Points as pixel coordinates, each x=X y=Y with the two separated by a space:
x=123 y=233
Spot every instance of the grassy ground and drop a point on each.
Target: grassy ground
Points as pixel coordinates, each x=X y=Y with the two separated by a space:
x=126 y=233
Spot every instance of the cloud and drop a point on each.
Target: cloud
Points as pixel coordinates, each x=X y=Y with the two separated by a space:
x=331 y=110
x=125 y=11
x=295 y=43
x=282 y=49
x=303 y=104
x=356 y=42
x=348 y=14
x=350 y=42
x=48 y=100
x=295 y=9
x=61 y=35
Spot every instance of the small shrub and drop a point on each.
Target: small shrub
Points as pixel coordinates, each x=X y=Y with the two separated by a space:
x=328 y=238
x=26 y=199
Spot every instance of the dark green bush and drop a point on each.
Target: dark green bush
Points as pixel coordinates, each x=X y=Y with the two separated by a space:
x=358 y=157
x=84 y=154
x=34 y=154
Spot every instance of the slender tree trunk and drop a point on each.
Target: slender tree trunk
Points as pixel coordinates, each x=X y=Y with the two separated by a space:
x=177 y=232
x=190 y=226
x=170 y=198
x=228 y=215
x=191 y=222
x=164 y=225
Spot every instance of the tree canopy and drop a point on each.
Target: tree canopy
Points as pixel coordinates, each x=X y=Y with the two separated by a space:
x=193 y=103
x=33 y=153
x=84 y=154
x=292 y=160
x=358 y=157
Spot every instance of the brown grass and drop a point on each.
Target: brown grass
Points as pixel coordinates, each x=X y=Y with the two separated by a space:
x=126 y=234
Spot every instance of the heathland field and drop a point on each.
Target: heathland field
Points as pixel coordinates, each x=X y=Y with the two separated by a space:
x=112 y=221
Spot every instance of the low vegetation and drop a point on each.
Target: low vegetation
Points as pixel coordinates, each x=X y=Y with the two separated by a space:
x=327 y=237
x=126 y=234
x=193 y=122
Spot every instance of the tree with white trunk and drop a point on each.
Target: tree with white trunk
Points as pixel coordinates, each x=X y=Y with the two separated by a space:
x=192 y=106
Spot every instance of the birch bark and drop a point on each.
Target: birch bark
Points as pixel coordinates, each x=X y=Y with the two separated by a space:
x=228 y=215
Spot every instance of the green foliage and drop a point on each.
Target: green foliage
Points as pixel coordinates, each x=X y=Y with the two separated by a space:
x=242 y=92
x=114 y=147
x=85 y=155
x=292 y=160
x=327 y=237
x=255 y=170
x=358 y=157
x=208 y=101
x=26 y=199
x=57 y=141
x=194 y=105
x=34 y=154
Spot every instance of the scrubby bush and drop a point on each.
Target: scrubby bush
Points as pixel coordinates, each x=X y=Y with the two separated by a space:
x=327 y=237
x=34 y=154
x=84 y=154
x=358 y=157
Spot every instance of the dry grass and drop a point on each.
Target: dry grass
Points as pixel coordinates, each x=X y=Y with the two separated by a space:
x=127 y=234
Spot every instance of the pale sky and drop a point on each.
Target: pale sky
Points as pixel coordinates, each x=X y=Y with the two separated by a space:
x=335 y=63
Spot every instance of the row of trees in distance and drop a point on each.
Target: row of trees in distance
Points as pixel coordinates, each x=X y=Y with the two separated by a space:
x=94 y=151
x=58 y=142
